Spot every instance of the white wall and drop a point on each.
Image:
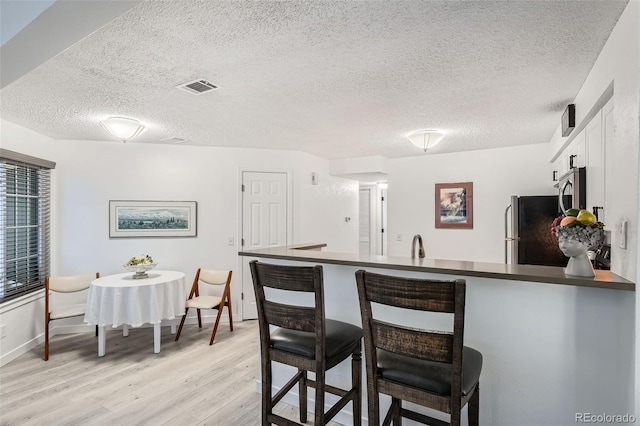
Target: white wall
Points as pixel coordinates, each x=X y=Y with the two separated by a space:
x=90 y=173
x=497 y=174
x=618 y=62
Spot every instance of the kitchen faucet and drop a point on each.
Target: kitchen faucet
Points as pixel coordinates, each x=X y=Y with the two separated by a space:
x=418 y=238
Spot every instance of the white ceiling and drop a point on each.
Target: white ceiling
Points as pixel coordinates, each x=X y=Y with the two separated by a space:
x=336 y=79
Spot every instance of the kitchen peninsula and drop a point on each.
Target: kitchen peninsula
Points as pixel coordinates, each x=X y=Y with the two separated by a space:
x=553 y=345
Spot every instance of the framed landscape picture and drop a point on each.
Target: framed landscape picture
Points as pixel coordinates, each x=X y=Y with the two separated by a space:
x=454 y=205
x=152 y=219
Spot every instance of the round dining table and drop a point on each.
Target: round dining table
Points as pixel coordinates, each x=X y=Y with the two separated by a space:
x=120 y=300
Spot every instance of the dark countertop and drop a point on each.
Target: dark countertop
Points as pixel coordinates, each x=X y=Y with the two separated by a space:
x=533 y=273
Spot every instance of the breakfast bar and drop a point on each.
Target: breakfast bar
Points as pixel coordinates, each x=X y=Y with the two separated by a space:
x=554 y=346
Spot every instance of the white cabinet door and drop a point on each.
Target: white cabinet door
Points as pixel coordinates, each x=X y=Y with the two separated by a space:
x=607 y=139
x=556 y=169
x=595 y=164
x=576 y=152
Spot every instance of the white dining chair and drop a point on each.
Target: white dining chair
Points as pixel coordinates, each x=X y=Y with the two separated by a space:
x=59 y=310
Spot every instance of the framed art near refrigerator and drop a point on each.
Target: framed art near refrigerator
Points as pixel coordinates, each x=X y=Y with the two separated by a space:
x=454 y=205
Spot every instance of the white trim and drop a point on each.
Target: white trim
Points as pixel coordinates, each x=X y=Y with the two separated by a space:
x=21 y=350
x=12 y=304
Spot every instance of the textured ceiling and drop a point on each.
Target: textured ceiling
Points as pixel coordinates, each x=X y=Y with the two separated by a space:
x=336 y=79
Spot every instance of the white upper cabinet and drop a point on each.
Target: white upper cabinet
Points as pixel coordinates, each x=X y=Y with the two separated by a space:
x=587 y=150
x=599 y=133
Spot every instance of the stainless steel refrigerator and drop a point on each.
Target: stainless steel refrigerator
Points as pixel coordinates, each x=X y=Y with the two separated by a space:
x=527 y=231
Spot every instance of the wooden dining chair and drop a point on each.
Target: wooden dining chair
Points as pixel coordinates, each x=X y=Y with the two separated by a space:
x=424 y=367
x=195 y=300
x=58 y=310
x=303 y=338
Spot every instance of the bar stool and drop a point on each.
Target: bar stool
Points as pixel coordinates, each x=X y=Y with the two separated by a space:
x=303 y=339
x=429 y=368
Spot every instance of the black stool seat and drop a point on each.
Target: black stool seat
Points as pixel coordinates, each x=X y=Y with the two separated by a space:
x=431 y=376
x=339 y=337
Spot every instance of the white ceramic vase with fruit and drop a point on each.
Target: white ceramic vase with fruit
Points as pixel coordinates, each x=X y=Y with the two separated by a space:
x=578 y=232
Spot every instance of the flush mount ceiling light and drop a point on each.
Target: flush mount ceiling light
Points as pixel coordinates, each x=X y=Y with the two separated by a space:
x=123 y=128
x=426 y=138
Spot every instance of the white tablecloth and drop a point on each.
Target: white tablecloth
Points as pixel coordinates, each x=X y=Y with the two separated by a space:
x=119 y=299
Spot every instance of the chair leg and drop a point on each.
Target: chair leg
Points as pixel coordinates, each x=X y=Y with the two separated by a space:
x=199 y=319
x=356 y=382
x=215 y=326
x=184 y=317
x=474 y=407
x=302 y=396
x=96 y=330
x=266 y=389
x=230 y=313
x=46 y=341
x=319 y=407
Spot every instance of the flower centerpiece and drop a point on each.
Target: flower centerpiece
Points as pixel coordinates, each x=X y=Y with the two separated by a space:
x=140 y=264
x=578 y=231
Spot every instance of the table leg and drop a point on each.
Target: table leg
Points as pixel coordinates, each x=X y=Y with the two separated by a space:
x=173 y=326
x=102 y=340
x=156 y=338
x=125 y=330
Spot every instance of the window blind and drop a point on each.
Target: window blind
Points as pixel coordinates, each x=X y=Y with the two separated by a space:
x=25 y=192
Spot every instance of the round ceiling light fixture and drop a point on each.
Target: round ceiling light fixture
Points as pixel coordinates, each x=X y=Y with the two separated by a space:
x=123 y=128
x=426 y=138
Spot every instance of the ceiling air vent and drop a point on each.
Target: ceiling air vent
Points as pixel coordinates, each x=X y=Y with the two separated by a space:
x=197 y=87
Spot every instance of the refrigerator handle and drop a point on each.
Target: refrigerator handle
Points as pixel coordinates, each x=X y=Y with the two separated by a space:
x=561 y=195
x=507 y=239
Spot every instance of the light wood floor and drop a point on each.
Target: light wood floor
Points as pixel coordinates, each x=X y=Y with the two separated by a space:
x=187 y=383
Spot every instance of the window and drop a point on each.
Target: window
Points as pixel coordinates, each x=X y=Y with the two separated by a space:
x=25 y=194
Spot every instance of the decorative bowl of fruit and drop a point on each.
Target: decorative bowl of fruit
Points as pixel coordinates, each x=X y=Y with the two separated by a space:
x=578 y=231
x=140 y=264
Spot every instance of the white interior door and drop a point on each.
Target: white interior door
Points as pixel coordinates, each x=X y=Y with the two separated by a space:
x=265 y=223
x=364 y=222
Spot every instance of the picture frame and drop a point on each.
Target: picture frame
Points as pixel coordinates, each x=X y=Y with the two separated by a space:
x=454 y=205
x=142 y=219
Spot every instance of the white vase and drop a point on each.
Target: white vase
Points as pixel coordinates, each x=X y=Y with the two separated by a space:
x=580 y=266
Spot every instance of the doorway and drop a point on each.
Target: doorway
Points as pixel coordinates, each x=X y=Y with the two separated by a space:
x=266 y=222
x=373 y=218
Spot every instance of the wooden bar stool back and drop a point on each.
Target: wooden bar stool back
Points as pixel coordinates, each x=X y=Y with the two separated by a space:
x=303 y=339
x=425 y=367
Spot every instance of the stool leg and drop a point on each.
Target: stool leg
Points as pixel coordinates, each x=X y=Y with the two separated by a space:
x=302 y=393
x=320 y=381
x=356 y=382
x=266 y=389
x=396 y=406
